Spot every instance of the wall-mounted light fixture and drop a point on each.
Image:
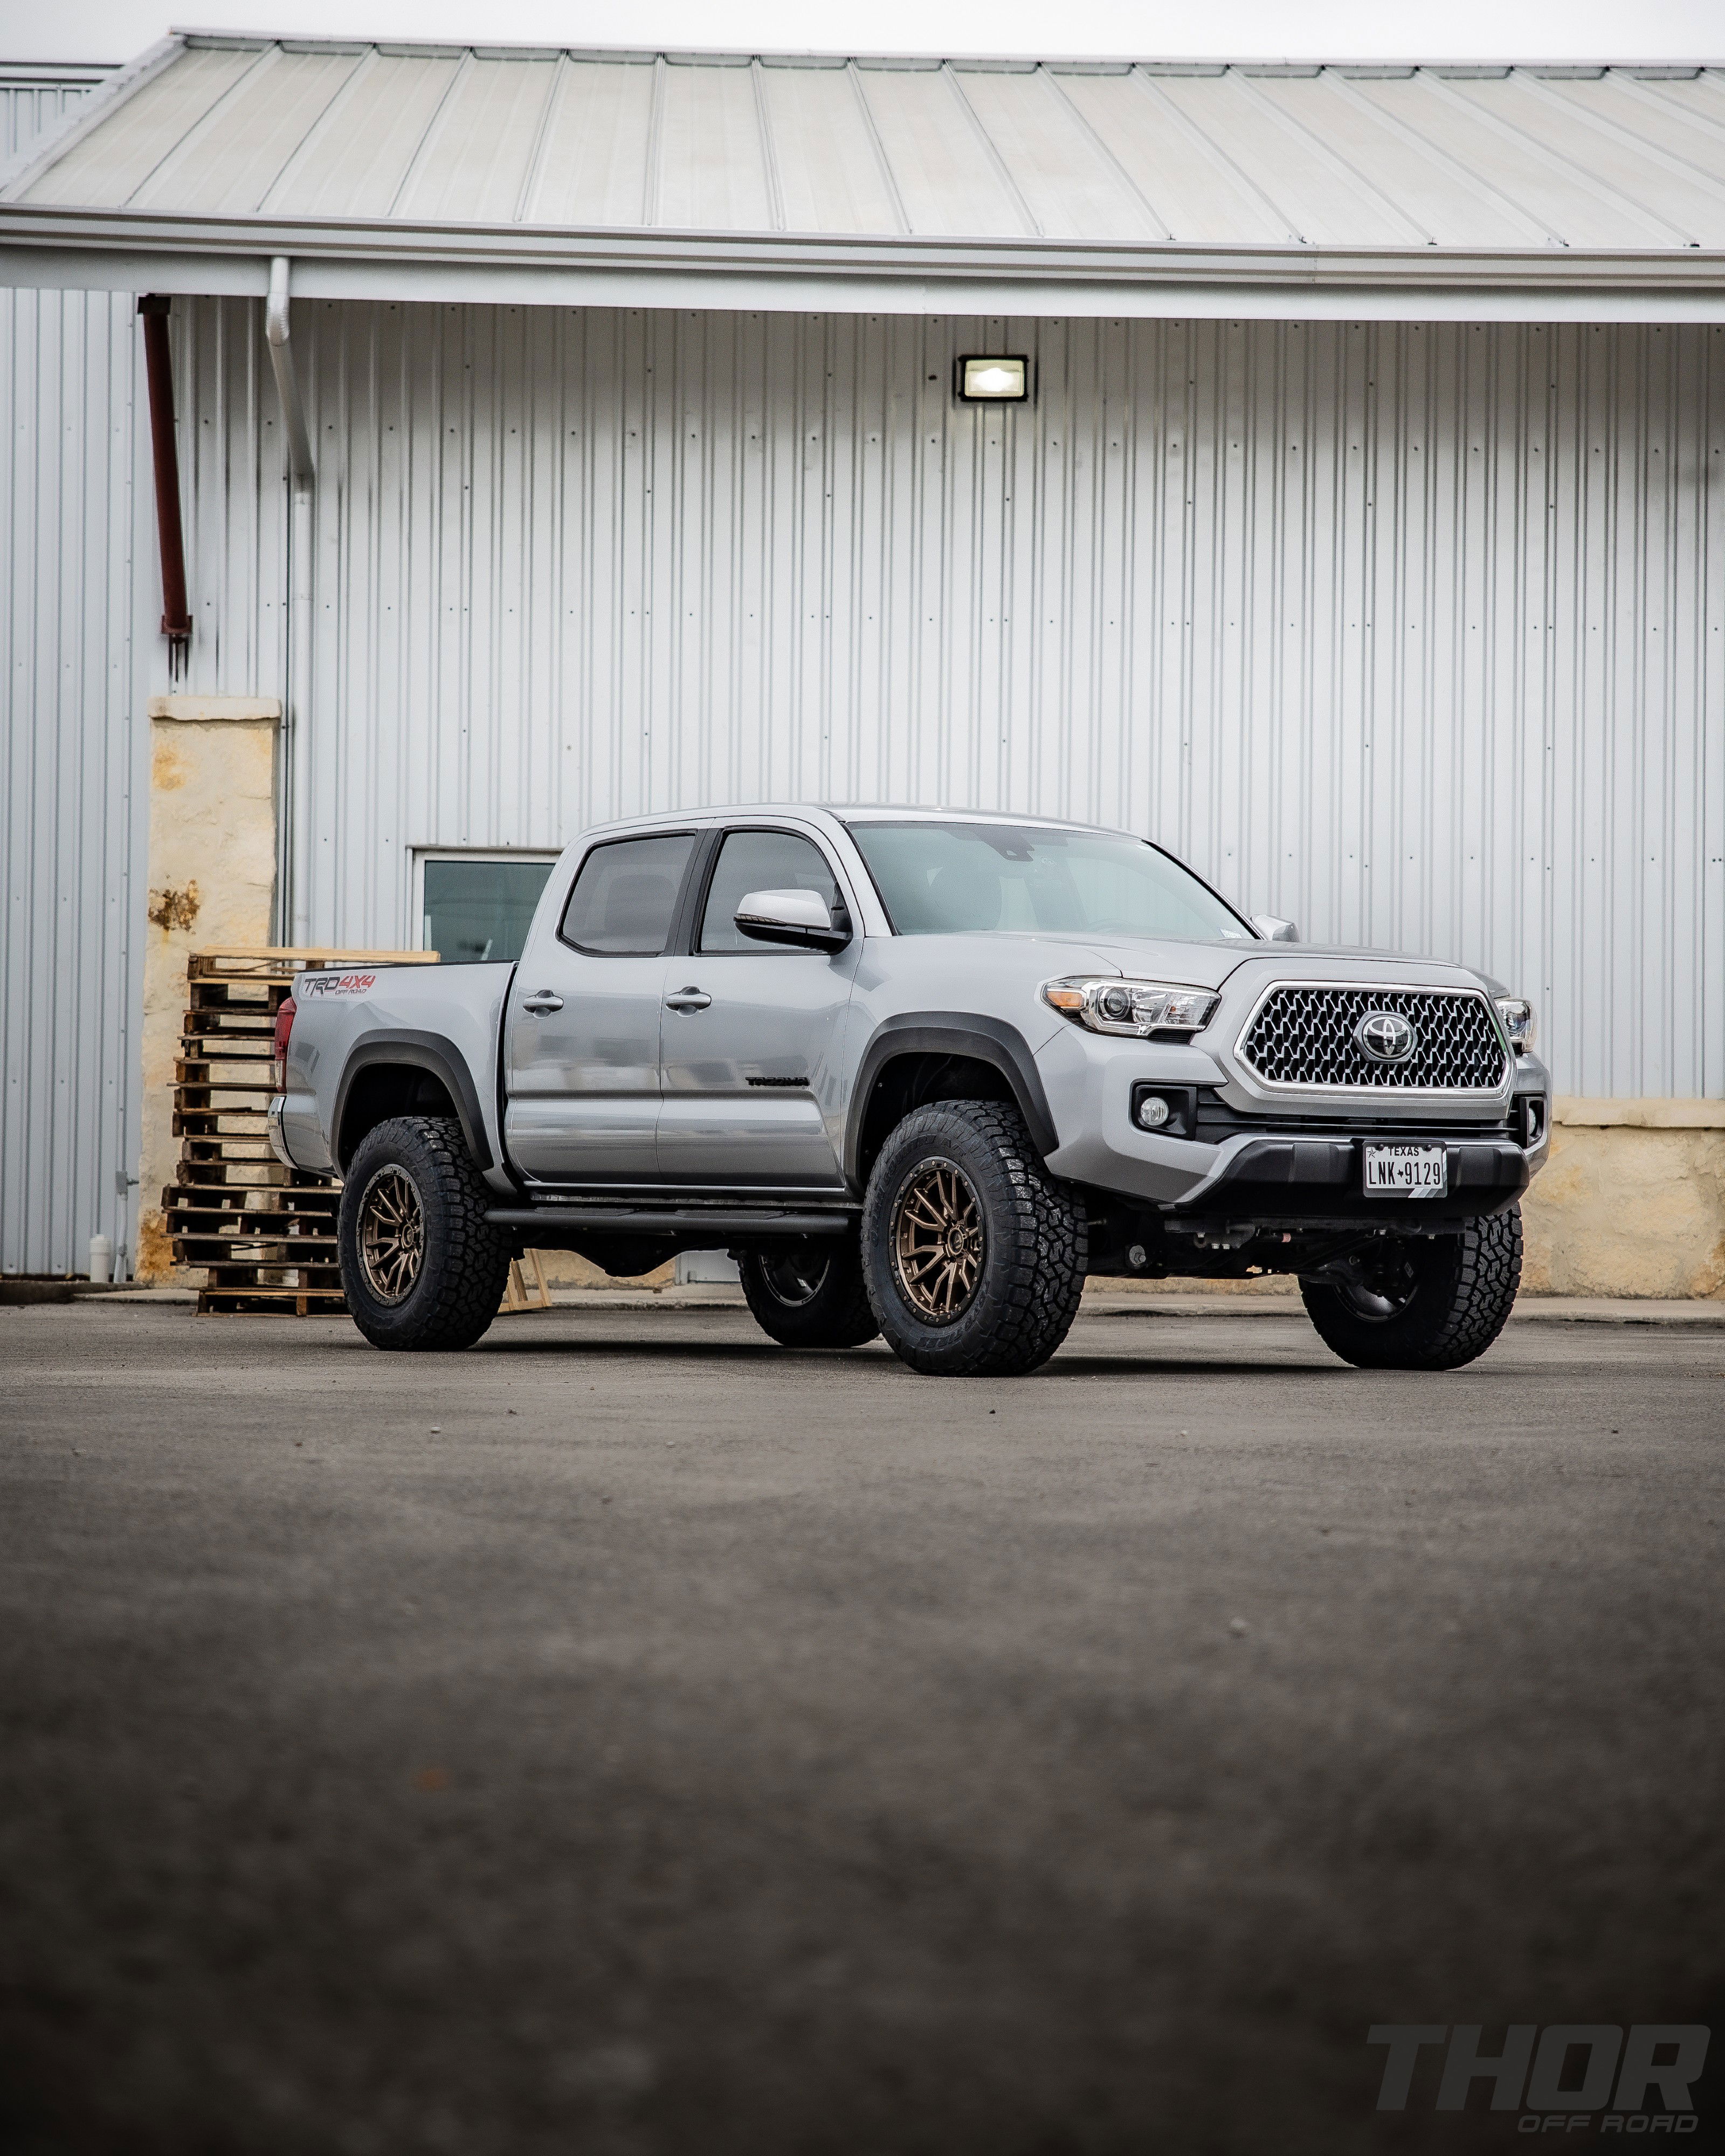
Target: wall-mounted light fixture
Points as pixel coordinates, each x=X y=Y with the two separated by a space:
x=993 y=381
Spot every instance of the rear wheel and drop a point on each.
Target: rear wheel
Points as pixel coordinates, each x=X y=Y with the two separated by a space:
x=421 y=1266
x=974 y=1256
x=1413 y=1304
x=809 y=1293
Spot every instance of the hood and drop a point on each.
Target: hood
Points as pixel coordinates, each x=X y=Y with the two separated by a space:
x=1208 y=965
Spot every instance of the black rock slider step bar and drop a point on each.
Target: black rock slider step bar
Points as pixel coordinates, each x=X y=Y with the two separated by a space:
x=665 y=1220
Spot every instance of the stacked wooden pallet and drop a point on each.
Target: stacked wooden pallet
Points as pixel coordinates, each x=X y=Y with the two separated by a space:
x=264 y=1235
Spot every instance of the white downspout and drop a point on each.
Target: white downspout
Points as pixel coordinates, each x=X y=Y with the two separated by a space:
x=294 y=867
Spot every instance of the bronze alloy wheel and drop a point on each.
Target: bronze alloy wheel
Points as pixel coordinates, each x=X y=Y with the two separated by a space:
x=392 y=1233
x=937 y=1242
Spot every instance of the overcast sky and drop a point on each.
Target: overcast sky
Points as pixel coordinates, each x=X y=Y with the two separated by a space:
x=1436 y=29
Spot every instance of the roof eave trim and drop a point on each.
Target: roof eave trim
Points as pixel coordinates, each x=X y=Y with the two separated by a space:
x=625 y=249
x=1021 y=279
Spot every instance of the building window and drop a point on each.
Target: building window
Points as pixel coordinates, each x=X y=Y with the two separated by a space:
x=473 y=907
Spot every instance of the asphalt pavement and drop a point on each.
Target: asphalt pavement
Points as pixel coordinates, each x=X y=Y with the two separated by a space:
x=630 y=1739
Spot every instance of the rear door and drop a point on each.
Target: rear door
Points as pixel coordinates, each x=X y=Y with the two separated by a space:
x=752 y=1096
x=581 y=1031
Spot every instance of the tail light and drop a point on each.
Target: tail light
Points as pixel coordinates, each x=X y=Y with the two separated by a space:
x=284 y=1028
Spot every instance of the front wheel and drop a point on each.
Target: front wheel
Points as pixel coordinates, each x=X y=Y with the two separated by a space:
x=1409 y=1304
x=421 y=1266
x=809 y=1293
x=974 y=1256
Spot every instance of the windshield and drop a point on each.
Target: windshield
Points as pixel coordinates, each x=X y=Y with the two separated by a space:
x=948 y=879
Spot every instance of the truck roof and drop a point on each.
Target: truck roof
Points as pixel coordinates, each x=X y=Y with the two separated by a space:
x=842 y=812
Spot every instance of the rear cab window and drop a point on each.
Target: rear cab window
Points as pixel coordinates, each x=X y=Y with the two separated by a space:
x=624 y=901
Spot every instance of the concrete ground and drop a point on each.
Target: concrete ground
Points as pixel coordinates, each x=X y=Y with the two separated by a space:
x=629 y=1739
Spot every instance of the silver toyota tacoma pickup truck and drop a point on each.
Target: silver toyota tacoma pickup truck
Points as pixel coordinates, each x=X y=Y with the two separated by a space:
x=922 y=1072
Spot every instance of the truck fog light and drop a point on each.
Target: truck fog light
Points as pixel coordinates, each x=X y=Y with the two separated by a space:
x=1153 y=1111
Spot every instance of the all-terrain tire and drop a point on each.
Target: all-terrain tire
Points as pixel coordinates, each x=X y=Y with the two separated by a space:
x=1460 y=1289
x=810 y=1293
x=1031 y=1246
x=464 y=1263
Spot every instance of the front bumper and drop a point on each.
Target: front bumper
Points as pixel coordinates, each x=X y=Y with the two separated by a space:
x=1285 y=1160
x=1308 y=1178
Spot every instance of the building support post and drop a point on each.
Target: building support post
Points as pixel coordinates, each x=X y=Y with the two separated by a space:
x=295 y=880
x=159 y=373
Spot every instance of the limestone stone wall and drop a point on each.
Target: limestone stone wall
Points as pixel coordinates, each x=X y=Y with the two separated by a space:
x=212 y=881
x=1631 y=1202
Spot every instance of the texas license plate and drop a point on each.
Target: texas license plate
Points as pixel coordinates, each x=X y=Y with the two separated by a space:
x=1407 y=1171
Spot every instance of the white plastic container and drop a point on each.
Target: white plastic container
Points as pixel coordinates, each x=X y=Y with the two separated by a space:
x=101 y=1259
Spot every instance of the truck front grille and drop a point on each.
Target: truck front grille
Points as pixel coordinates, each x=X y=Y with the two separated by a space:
x=1304 y=1036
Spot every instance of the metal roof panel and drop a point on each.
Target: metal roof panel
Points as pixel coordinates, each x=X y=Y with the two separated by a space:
x=473 y=166
x=1442 y=198
x=1287 y=163
x=832 y=174
x=107 y=166
x=231 y=162
x=1465 y=115
x=1656 y=111
x=1193 y=191
x=713 y=170
x=1545 y=113
x=1071 y=184
x=593 y=164
x=761 y=153
x=356 y=168
x=1674 y=170
x=946 y=178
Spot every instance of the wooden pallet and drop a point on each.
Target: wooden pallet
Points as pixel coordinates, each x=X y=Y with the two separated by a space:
x=517 y=1293
x=263 y=1232
x=271 y=1302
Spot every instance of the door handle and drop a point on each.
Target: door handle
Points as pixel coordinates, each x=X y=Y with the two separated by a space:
x=688 y=999
x=542 y=1003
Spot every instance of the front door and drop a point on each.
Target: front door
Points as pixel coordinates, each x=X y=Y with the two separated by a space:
x=581 y=1032
x=752 y=1096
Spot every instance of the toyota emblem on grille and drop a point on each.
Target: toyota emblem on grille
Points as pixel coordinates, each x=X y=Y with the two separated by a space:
x=1386 y=1036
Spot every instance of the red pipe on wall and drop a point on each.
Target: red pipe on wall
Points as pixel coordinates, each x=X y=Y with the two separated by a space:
x=158 y=366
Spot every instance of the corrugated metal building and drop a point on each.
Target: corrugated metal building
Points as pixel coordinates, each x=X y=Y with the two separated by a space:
x=73 y=769
x=1361 y=537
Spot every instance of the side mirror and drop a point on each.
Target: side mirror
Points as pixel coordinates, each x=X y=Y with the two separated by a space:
x=796 y=918
x=1274 y=929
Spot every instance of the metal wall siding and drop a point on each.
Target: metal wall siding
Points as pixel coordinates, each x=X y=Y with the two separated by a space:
x=1412 y=632
x=74 y=774
x=74 y=792
x=29 y=108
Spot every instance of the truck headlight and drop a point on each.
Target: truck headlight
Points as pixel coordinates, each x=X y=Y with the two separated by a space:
x=1113 y=1005
x=1518 y=1015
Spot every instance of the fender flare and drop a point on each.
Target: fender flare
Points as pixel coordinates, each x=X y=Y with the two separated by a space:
x=418 y=1051
x=990 y=1041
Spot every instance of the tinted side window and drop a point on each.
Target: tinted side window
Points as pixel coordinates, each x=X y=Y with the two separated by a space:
x=625 y=897
x=760 y=860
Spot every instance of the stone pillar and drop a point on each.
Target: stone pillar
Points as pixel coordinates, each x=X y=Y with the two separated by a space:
x=212 y=883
